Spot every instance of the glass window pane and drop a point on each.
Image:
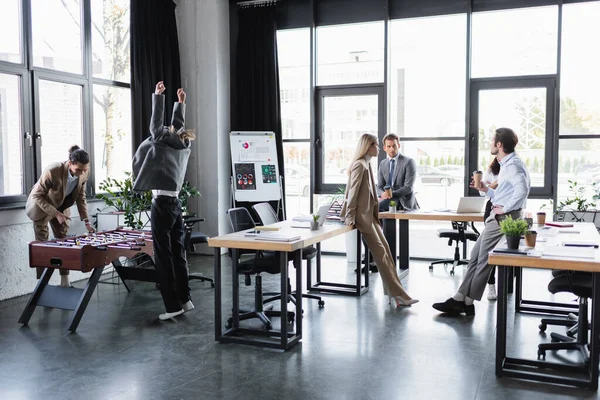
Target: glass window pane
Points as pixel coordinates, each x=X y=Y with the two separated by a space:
x=427 y=76
x=349 y=54
x=112 y=133
x=293 y=51
x=578 y=161
x=345 y=120
x=11 y=179
x=297 y=178
x=522 y=110
x=580 y=81
x=56 y=27
x=440 y=170
x=10 y=31
x=60 y=120
x=110 y=39
x=515 y=42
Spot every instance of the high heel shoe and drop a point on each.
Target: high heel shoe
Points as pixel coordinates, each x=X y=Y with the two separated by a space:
x=402 y=302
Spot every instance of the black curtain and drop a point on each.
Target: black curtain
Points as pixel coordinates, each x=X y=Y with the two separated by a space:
x=257 y=106
x=154 y=58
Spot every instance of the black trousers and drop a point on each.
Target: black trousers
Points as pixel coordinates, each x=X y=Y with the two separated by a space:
x=169 y=252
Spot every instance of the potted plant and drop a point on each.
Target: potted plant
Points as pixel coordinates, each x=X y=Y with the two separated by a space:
x=580 y=207
x=513 y=229
x=314 y=225
x=392 y=205
x=120 y=195
x=530 y=238
x=187 y=192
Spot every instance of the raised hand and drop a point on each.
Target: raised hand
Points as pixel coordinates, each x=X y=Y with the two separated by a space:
x=181 y=95
x=160 y=88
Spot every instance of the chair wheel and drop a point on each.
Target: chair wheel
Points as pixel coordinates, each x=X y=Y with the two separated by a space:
x=321 y=304
x=229 y=323
x=570 y=334
x=157 y=285
x=291 y=317
x=541 y=354
x=212 y=284
x=431 y=267
x=542 y=327
x=452 y=273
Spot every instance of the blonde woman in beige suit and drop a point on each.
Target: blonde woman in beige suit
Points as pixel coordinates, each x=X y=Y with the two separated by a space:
x=361 y=210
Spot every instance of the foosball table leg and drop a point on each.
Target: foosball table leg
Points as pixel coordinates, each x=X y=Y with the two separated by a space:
x=85 y=298
x=35 y=296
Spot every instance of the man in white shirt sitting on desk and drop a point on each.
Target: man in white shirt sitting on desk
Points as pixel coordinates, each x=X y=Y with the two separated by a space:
x=509 y=198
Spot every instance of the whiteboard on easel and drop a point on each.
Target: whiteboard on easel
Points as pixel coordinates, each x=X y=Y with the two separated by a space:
x=254 y=165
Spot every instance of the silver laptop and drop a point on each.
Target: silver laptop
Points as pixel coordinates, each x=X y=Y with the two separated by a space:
x=303 y=221
x=471 y=204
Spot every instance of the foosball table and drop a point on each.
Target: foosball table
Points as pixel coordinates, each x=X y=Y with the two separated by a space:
x=85 y=253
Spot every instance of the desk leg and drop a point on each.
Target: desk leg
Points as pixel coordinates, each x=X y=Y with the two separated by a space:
x=389 y=231
x=217 y=278
x=595 y=339
x=501 y=320
x=283 y=265
x=35 y=296
x=235 y=281
x=298 y=263
x=404 y=252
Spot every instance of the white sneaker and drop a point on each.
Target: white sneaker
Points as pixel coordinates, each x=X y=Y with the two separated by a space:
x=492 y=292
x=188 y=306
x=169 y=315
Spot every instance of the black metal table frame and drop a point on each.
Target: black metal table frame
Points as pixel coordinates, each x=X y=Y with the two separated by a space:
x=535 y=306
x=356 y=290
x=278 y=339
x=540 y=370
x=66 y=298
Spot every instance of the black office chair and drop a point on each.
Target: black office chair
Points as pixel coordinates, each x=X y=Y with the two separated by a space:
x=580 y=284
x=267 y=216
x=192 y=238
x=239 y=220
x=459 y=234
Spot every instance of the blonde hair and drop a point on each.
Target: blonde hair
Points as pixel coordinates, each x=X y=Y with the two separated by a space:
x=364 y=143
x=184 y=134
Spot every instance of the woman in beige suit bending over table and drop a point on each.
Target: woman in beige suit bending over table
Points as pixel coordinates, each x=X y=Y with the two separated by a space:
x=361 y=209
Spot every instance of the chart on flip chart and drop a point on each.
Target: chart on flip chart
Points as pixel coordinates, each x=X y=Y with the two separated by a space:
x=254 y=165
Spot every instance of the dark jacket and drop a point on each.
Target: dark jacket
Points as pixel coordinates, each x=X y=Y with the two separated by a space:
x=403 y=181
x=161 y=160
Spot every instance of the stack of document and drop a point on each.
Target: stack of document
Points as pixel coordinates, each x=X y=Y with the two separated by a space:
x=569 y=252
x=273 y=236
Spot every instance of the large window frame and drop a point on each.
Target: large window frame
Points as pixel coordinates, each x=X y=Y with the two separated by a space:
x=30 y=76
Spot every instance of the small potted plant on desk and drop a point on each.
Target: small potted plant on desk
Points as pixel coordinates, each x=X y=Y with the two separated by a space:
x=513 y=229
x=314 y=225
x=392 y=205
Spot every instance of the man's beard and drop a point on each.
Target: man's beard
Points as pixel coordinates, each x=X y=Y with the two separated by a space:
x=494 y=151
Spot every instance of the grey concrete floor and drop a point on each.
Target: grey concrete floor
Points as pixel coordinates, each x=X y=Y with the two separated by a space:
x=353 y=348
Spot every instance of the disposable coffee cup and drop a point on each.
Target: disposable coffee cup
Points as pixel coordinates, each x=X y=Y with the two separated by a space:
x=388 y=190
x=477 y=176
x=541 y=218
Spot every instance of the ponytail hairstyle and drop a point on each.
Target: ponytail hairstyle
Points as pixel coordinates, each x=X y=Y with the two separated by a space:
x=78 y=155
x=494 y=166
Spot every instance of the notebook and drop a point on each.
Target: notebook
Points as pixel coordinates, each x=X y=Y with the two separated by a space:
x=276 y=237
x=304 y=221
x=571 y=252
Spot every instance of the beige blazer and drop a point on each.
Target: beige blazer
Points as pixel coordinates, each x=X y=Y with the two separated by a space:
x=360 y=205
x=49 y=193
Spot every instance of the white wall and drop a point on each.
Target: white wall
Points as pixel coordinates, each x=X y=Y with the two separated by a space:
x=203 y=29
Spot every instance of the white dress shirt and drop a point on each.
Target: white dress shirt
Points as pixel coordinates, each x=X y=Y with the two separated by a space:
x=513 y=184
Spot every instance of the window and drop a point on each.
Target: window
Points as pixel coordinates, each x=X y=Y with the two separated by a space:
x=56 y=33
x=112 y=132
x=110 y=39
x=10 y=31
x=515 y=42
x=11 y=132
x=427 y=76
x=350 y=54
x=56 y=101
x=580 y=81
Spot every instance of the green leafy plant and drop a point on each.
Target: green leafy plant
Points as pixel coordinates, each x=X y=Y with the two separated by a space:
x=187 y=192
x=316 y=217
x=579 y=201
x=120 y=195
x=550 y=205
x=392 y=203
x=513 y=227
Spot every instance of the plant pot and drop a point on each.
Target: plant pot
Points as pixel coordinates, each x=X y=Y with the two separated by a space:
x=512 y=242
x=530 y=239
x=392 y=209
x=314 y=225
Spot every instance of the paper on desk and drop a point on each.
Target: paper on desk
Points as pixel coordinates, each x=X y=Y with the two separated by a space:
x=570 y=252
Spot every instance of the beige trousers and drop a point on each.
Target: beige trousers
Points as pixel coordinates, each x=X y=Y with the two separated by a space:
x=40 y=228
